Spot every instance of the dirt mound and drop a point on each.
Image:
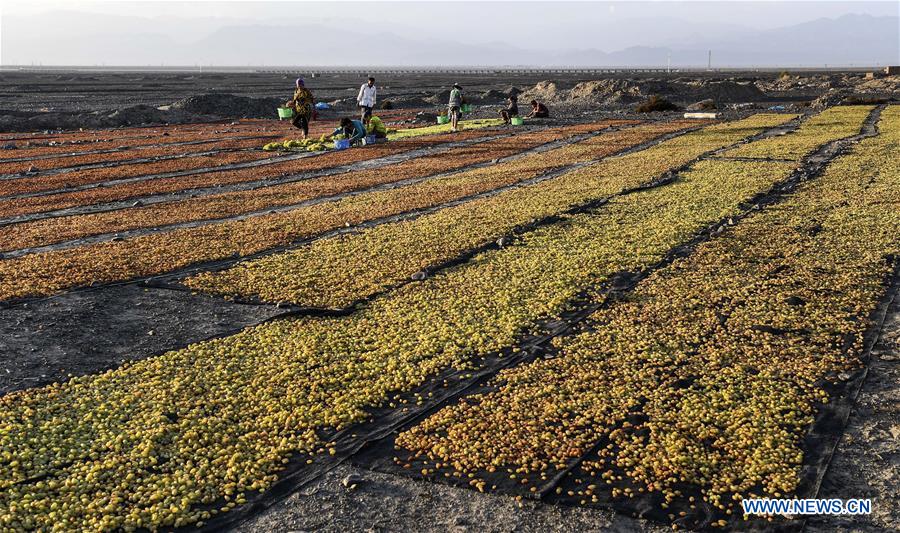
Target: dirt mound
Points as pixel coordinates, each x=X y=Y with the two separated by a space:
x=203 y=107
x=491 y=96
x=128 y=116
x=228 y=106
x=656 y=104
x=139 y=114
x=703 y=105
x=719 y=91
x=887 y=84
x=511 y=90
x=544 y=91
x=615 y=92
x=830 y=98
x=821 y=86
x=609 y=92
x=440 y=98
x=405 y=102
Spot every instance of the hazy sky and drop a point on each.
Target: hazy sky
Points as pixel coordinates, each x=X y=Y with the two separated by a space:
x=505 y=19
x=546 y=25
x=757 y=14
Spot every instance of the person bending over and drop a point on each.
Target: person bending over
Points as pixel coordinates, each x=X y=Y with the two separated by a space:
x=538 y=110
x=375 y=126
x=302 y=104
x=512 y=109
x=366 y=98
x=354 y=130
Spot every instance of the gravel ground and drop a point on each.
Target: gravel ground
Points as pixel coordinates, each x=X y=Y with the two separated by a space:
x=71 y=91
x=383 y=502
x=866 y=463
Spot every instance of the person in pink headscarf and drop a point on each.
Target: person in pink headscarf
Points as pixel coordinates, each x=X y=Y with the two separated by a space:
x=302 y=103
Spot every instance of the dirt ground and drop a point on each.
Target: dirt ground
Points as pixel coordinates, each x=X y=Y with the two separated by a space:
x=866 y=463
x=382 y=502
x=50 y=100
x=49 y=91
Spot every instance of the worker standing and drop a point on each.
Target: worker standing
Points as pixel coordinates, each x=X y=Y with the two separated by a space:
x=302 y=104
x=366 y=98
x=454 y=106
x=375 y=126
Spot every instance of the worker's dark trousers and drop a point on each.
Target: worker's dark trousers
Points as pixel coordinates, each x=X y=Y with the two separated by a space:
x=302 y=123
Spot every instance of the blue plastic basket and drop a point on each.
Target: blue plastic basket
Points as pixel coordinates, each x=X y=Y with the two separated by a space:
x=342 y=144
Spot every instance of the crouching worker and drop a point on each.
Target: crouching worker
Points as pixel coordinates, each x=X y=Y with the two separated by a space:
x=302 y=104
x=538 y=110
x=512 y=109
x=375 y=126
x=352 y=129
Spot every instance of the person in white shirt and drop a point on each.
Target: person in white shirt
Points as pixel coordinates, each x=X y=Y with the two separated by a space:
x=366 y=98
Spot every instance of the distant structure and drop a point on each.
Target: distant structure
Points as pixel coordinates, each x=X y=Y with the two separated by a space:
x=892 y=70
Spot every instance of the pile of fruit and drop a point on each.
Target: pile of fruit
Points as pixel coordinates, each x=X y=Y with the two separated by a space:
x=392 y=134
x=310 y=145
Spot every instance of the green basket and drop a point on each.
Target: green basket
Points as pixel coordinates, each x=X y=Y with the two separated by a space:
x=517 y=121
x=443 y=119
x=285 y=112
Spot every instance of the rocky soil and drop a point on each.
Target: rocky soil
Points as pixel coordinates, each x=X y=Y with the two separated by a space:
x=33 y=101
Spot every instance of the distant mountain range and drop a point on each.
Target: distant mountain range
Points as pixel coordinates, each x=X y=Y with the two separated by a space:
x=66 y=38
